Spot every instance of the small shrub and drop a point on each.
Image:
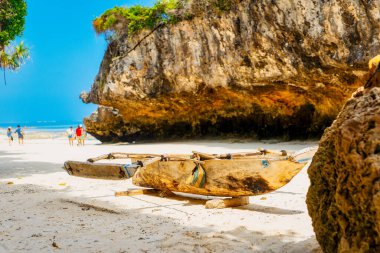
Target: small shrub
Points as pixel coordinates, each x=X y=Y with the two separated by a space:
x=129 y=20
x=133 y=19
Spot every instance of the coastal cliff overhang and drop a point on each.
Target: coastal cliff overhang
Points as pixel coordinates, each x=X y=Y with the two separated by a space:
x=276 y=59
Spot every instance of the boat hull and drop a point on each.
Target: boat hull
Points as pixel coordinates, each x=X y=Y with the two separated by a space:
x=225 y=178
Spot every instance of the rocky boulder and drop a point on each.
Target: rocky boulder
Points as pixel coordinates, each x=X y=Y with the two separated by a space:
x=344 y=196
x=106 y=124
x=262 y=69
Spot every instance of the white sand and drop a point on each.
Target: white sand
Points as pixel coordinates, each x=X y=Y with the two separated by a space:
x=46 y=210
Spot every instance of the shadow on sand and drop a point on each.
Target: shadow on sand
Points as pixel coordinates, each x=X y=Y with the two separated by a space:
x=11 y=166
x=270 y=210
x=190 y=200
x=103 y=227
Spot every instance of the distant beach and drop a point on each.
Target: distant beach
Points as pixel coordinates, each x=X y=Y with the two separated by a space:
x=42 y=129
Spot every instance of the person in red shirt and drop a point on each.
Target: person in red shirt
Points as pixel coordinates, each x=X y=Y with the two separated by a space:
x=78 y=133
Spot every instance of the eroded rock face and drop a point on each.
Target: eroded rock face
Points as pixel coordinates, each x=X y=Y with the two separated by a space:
x=344 y=196
x=260 y=70
x=106 y=124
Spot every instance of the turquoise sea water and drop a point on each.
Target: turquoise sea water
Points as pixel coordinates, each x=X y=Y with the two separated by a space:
x=42 y=126
x=41 y=129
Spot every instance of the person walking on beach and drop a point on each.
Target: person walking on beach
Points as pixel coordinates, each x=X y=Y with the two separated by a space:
x=70 y=135
x=10 y=137
x=84 y=135
x=20 y=135
x=79 y=133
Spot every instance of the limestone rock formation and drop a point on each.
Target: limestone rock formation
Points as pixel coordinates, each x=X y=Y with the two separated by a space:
x=344 y=196
x=264 y=69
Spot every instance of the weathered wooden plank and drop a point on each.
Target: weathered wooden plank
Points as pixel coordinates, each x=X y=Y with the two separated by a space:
x=262 y=153
x=118 y=155
x=99 y=170
x=136 y=157
x=225 y=203
x=136 y=192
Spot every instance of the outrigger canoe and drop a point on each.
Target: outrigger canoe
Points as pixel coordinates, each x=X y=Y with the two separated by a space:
x=229 y=175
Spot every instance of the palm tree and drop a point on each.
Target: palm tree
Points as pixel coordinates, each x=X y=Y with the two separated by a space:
x=12 y=57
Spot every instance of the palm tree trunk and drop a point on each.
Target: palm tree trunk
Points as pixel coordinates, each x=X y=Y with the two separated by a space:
x=2 y=65
x=5 y=79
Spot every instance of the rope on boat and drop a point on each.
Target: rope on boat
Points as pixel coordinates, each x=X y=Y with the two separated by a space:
x=197 y=177
x=132 y=166
x=265 y=163
x=126 y=169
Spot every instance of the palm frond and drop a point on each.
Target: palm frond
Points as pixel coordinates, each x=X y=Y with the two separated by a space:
x=21 y=51
x=12 y=57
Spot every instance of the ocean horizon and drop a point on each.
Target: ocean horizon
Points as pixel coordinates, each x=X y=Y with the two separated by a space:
x=48 y=129
x=42 y=126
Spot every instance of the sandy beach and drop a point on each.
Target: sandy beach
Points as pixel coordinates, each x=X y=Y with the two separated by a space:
x=43 y=209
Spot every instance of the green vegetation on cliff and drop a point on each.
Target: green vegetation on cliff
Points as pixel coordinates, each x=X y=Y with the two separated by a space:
x=132 y=19
x=129 y=20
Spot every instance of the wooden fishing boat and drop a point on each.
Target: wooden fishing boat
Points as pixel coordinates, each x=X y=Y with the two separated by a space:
x=245 y=176
x=228 y=175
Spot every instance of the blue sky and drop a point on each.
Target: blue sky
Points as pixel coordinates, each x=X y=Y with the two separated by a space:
x=65 y=58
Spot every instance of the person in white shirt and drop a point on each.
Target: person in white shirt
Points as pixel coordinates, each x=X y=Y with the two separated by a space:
x=70 y=135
